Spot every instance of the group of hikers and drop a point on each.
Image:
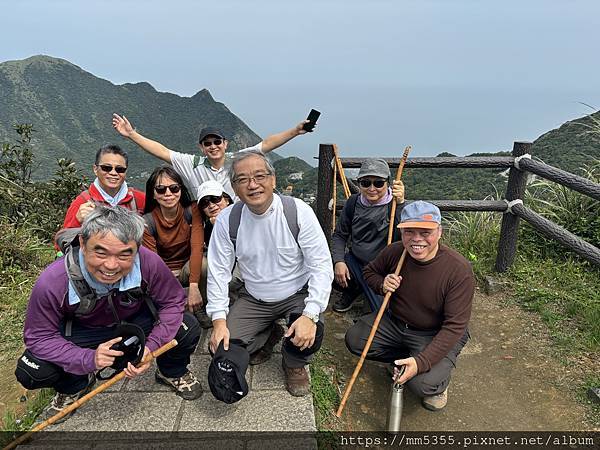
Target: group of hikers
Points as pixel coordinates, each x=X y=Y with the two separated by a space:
x=212 y=244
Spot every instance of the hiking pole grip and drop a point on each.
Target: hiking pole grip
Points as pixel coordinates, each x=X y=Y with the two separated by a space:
x=152 y=355
x=398 y=177
x=363 y=356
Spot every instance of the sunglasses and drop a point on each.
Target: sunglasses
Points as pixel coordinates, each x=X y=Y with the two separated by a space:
x=209 y=143
x=108 y=168
x=160 y=189
x=366 y=183
x=206 y=200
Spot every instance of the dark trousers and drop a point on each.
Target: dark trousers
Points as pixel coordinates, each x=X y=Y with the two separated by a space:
x=172 y=364
x=250 y=320
x=356 y=267
x=394 y=341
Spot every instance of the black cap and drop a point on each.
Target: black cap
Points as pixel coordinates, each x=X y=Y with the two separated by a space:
x=208 y=131
x=227 y=372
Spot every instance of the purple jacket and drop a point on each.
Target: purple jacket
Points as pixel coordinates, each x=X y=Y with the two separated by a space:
x=49 y=304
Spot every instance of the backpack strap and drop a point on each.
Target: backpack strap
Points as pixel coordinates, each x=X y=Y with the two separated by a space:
x=234 y=221
x=86 y=196
x=133 y=201
x=349 y=211
x=187 y=215
x=290 y=211
x=150 y=224
x=87 y=296
x=196 y=160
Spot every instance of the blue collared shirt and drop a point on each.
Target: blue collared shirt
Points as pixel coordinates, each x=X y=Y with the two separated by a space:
x=132 y=280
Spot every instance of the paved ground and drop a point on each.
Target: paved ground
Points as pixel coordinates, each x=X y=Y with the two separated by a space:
x=153 y=407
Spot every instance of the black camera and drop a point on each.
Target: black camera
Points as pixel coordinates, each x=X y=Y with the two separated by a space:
x=131 y=349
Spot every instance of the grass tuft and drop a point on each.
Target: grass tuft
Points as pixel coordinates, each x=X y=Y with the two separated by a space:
x=326 y=399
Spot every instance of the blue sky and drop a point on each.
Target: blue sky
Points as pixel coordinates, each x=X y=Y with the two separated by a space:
x=460 y=76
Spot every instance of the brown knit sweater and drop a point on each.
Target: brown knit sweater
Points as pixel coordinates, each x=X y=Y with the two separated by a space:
x=433 y=295
x=176 y=241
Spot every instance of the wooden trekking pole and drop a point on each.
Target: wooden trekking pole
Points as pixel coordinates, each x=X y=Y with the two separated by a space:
x=340 y=169
x=334 y=197
x=398 y=177
x=152 y=355
x=382 y=309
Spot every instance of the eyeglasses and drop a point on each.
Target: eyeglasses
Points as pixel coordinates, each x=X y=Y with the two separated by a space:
x=160 y=189
x=258 y=178
x=206 y=200
x=366 y=183
x=108 y=168
x=215 y=142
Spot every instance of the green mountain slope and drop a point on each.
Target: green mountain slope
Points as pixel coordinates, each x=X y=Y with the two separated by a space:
x=570 y=146
x=71 y=110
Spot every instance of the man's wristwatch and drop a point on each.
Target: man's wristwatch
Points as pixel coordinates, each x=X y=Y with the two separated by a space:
x=313 y=317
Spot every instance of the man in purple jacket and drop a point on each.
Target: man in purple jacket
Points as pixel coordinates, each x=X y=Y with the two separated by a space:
x=69 y=338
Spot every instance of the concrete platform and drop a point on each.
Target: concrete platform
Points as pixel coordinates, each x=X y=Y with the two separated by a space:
x=143 y=405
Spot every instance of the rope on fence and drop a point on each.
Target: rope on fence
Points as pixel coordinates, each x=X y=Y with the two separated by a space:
x=519 y=158
x=509 y=205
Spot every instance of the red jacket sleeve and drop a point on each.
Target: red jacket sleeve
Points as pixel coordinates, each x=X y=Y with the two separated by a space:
x=70 y=217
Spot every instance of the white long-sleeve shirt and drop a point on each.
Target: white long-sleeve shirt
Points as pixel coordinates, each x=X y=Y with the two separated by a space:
x=272 y=265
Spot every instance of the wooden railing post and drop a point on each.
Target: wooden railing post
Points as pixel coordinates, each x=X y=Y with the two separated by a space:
x=515 y=189
x=324 y=185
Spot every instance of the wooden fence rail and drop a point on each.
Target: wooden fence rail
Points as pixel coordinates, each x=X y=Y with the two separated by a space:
x=519 y=164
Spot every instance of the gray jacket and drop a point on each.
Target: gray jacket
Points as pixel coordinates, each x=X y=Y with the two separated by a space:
x=363 y=229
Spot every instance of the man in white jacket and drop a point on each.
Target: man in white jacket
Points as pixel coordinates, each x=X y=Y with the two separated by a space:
x=284 y=262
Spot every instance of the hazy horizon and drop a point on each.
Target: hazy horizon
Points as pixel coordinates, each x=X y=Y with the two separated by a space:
x=460 y=76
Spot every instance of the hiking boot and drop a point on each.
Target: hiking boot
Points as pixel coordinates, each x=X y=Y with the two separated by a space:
x=296 y=380
x=435 y=402
x=186 y=386
x=344 y=303
x=61 y=401
x=203 y=319
x=263 y=355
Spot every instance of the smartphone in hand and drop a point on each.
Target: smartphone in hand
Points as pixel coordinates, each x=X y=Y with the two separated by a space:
x=312 y=118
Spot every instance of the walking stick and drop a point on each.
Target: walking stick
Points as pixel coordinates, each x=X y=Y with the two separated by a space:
x=334 y=197
x=155 y=354
x=338 y=162
x=398 y=177
x=382 y=309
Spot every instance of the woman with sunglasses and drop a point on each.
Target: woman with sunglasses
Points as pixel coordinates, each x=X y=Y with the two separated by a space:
x=174 y=230
x=363 y=229
x=212 y=199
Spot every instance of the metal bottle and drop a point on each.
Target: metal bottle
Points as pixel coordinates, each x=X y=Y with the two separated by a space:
x=396 y=404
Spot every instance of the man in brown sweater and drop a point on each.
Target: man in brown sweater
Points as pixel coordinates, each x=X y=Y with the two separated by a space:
x=425 y=327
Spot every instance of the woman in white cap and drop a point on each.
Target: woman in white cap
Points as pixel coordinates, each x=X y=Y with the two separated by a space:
x=174 y=230
x=212 y=199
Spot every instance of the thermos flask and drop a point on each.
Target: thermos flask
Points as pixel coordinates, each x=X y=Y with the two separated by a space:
x=396 y=405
